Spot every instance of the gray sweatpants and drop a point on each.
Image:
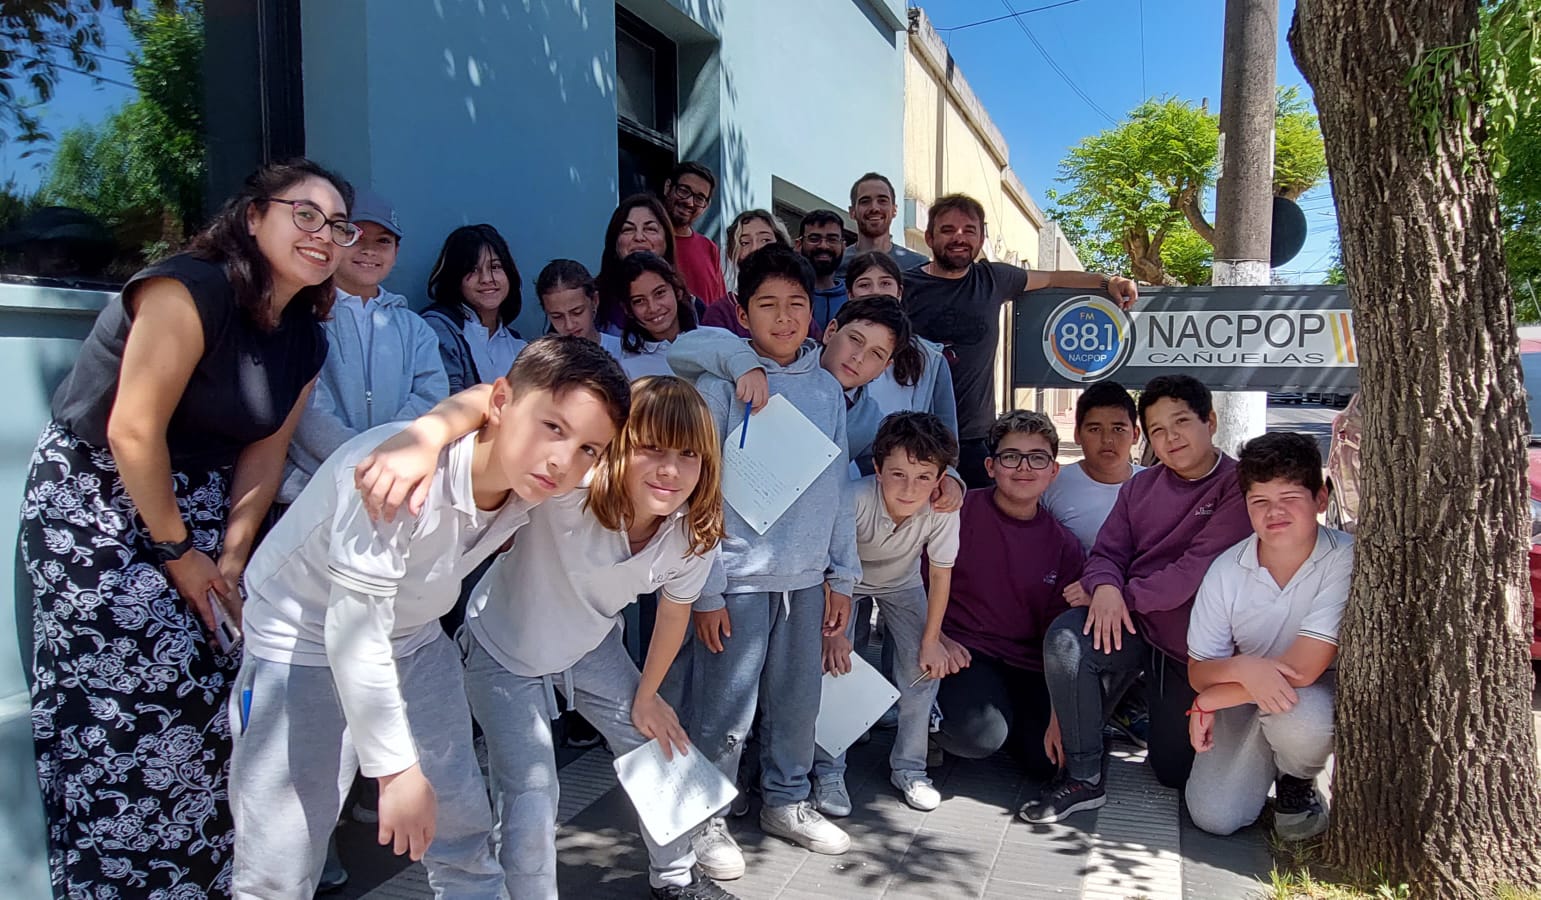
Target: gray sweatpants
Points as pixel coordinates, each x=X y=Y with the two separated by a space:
x=1230 y=782
x=904 y=617
x=293 y=762
x=515 y=712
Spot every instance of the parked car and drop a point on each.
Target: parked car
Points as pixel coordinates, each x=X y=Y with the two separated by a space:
x=1343 y=480
x=1280 y=398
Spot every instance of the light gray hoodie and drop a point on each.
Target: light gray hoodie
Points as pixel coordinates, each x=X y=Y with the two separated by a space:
x=390 y=372
x=814 y=541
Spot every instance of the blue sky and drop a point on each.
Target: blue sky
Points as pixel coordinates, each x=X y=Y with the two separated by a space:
x=1102 y=47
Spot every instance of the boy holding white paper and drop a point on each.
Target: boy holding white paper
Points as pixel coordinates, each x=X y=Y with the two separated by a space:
x=764 y=631
x=346 y=665
x=895 y=523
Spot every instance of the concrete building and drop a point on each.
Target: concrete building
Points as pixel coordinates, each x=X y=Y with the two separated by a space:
x=534 y=117
x=951 y=146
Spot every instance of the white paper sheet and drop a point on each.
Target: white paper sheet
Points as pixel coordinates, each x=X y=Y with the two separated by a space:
x=673 y=796
x=783 y=453
x=851 y=704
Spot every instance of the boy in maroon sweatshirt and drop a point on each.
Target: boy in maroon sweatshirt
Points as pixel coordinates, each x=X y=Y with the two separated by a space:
x=1129 y=612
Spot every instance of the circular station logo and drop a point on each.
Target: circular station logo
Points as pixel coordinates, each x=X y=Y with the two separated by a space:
x=1087 y=338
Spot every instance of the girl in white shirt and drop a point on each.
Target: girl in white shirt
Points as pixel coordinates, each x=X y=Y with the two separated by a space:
x=476 y=298
x=547 y=619
x=658 y=309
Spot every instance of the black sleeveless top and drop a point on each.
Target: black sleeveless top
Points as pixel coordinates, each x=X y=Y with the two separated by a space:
x=240 y=392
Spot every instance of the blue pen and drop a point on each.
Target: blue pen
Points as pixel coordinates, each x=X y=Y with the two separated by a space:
x=743 y=434
x=245 y=708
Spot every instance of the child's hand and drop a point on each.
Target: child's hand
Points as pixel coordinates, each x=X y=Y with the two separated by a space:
x=399 y=471
x=948 y=495
x=933 y=660
x=837 y=612
x=712 y=627
x=1107 y=619
x=958 y=657
x=1075 y=595
x=1265 y=680
x=656 y=720
x=1053 y=745
x=837 y=654
x=1201 y=730
x=408 y=810
x=753 y=388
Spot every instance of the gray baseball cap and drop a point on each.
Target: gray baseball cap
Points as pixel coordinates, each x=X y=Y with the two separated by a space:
x=371 y=207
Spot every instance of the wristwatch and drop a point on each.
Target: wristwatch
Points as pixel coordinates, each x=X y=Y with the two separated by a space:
x=171 y=551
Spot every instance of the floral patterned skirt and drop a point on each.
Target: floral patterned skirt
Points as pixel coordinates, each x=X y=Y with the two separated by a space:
x=128 y=694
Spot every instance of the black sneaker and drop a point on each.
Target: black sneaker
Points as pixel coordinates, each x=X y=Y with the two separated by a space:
x=1298 y=813
x=1063 y=800
x=699 y=888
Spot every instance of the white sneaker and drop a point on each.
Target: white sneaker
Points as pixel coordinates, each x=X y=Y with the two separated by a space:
x=717 y=853
x=917 y=790
x=801 y=824
x=830 y=796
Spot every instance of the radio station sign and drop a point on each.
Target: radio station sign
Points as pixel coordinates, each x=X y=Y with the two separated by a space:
x=1233 y=338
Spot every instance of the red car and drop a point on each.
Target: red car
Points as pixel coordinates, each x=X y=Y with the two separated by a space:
x=1343 y=474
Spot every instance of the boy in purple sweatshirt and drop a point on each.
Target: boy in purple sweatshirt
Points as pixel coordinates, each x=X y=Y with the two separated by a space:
x=1129 y=612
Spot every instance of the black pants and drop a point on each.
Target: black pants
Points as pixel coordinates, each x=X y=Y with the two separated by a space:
x=1079 y=675
x=991 y=706
x=972 y=454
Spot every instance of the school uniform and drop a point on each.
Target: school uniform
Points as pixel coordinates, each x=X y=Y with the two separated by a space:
x=775 y=588
x=347 y=668
x=651 y=359
x=546 y=619
x=890 y=556
x=1242 y=611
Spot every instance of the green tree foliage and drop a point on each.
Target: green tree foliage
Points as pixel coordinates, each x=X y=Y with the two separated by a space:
x=39 y=39
x=1135 y=188
x=141 y=169
x=1519 y=187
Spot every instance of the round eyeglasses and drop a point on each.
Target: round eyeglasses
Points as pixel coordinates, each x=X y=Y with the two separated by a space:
x=1012 y=459
x=309 y=218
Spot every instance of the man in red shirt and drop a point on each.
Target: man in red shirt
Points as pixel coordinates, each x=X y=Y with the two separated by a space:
x=687 y=192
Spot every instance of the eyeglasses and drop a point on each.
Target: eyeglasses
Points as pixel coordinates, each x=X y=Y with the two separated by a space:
x=309 y=218
x=1012 y=459
x=832 y=240
x=686 y=195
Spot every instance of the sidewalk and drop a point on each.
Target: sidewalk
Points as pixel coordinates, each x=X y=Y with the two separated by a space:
x=1139 y=845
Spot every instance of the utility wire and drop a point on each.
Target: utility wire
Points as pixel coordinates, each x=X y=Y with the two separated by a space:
x=1011 y=16
x=1065 y=76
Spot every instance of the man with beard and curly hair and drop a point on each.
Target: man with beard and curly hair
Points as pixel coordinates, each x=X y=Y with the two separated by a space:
x=821 y=241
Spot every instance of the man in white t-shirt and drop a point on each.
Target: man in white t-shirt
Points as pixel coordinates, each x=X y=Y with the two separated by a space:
x=1106 y=430
x=1262 y=647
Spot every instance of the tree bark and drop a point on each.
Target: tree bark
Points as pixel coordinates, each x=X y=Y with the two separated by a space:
x=1436 y=777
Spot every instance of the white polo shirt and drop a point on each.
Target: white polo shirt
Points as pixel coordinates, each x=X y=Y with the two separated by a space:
x=890 y=553
x=330 y=587
x=652 y=359
x=1242 y=611
x=553 y=598
x=1080 y=502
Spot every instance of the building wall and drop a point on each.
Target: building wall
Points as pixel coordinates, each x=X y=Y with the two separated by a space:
x=952 y=146
x=506 y=113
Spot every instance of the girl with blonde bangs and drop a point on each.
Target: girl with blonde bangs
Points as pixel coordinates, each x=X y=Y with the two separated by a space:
x=666 y=414
x=546 y=620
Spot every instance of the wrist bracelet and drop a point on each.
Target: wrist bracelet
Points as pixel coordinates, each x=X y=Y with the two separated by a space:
x=1105 y=284
x=1195 y=708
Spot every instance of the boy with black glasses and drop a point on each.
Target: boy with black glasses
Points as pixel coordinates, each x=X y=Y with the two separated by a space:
x=1006 y=589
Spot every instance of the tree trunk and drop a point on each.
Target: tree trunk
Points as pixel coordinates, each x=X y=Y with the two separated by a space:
x=1436 y=778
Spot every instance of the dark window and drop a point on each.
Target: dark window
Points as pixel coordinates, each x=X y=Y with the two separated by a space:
x=121 y=126
x=646 y=92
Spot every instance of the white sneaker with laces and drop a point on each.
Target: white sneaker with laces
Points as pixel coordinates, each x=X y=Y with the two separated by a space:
x=801 y=824
x=917 y=790
x=717 y=853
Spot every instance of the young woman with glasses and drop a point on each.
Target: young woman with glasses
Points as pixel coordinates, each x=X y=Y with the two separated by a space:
x=146 y=492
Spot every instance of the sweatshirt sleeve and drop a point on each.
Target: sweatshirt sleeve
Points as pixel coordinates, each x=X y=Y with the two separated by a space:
x=430 y=383
x=358 y=650
x=1114 y=549
x=844 y=563
x=944 y=403
x=320 y=430
x=1173 y=585
x=710 y=351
